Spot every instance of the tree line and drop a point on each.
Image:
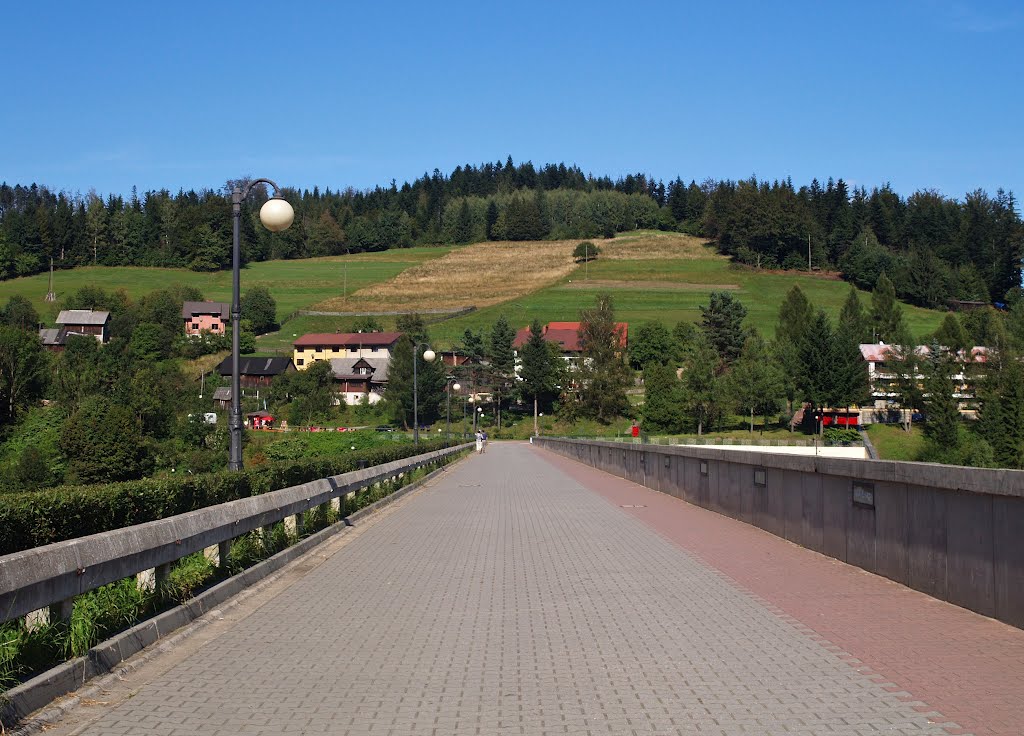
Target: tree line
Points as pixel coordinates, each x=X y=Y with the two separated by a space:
x=934 y=248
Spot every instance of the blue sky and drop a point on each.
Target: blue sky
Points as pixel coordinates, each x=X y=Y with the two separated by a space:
x=186 y=95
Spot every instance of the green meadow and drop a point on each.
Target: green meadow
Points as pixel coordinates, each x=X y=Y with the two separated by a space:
x=294 y=284
x=669 y=289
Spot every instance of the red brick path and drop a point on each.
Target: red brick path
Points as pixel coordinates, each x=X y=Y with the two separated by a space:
x=963 y=667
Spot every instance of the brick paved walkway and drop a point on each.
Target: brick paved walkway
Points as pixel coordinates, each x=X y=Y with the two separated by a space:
x=509 y=598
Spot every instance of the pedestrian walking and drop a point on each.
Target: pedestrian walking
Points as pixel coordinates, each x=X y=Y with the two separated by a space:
x=479 y=442
x=485 y=442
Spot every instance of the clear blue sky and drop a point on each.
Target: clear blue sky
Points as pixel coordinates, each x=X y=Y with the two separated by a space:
x=922 y=94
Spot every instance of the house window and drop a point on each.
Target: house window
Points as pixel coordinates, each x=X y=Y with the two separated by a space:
x=195 y=325
x=300 y=361
x=373 y=350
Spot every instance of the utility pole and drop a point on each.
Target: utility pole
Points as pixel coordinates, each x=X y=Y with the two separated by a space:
x=344 y=288
x=808 y=252
x=586 y=262
x=50 y=295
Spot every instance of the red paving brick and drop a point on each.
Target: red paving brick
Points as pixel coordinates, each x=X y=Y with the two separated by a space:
x=966 y=667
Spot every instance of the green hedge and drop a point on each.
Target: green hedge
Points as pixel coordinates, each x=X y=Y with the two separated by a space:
x=34 y=518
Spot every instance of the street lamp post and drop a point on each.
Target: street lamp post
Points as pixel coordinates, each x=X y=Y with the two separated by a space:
x=448 y=408
x=428 y=355
x=276 y=215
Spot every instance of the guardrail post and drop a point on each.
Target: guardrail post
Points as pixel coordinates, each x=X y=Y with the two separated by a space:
x=223 y=550
x=163 y=573
x=300 y=524
x=60 y=612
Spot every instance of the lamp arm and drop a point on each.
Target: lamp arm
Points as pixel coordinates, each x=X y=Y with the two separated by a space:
x=239 y=195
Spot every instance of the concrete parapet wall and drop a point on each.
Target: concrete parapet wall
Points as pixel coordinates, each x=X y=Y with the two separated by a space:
x=954 y=533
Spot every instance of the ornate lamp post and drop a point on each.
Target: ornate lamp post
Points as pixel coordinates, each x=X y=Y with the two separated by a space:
x=428 y=355
x=448 y=408
x=276 y=215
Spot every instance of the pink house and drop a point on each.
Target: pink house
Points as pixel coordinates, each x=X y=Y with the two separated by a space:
x=205 y=317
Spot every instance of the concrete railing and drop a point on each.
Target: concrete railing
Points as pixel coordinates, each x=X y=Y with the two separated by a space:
x=954 y=533
x=52 y=575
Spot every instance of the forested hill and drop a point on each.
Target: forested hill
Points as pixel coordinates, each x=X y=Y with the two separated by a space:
x=933 y=247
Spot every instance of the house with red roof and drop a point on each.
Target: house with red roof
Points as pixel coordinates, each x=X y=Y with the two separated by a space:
x=566 y=335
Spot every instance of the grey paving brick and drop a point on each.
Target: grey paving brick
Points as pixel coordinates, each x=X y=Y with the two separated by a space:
x=507 y=599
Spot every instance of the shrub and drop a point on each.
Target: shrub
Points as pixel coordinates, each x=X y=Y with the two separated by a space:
x=33 y=518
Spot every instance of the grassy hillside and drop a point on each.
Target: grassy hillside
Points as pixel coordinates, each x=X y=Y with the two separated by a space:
x=651 y=275
x=649 y=282
x=294 y=284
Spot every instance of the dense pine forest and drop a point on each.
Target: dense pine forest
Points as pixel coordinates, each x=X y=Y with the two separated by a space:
x=934 y=248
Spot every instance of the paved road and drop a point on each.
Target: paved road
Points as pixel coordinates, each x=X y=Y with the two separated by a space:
x=511 y=599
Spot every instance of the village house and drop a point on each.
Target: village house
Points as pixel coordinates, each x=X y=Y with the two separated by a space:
x=881 y=360
x=76 y=322
x=202 y=317
x=566 y=336
x=356 y=379
x=331 y=345
x=256 y=372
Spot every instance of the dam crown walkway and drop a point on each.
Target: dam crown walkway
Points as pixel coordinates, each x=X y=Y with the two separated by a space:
x=523 y=593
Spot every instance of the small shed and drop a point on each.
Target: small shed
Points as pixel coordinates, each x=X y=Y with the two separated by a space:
x=222 y=397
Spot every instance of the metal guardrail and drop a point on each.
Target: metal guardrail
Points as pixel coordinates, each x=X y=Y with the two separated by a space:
x=52 y=575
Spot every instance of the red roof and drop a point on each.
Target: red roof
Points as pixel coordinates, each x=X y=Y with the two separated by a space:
x=348 y=339
x=566 y=334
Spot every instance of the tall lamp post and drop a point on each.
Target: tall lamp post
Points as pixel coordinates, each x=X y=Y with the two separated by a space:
x=428 y=355
x=448 y=408
x=276 y=215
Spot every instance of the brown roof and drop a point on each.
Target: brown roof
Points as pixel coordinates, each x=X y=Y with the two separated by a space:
x=348 y=339
x=567 y=335
x=190 y=309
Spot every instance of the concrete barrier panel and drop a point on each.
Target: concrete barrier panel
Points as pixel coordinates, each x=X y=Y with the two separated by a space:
x=969 y=569
x=774 y=519
x=812 y=514
x=926 y=539
x=835 y=514
x=860 y=537
x=892 y=559
x=1008 y=555
x=792 y=513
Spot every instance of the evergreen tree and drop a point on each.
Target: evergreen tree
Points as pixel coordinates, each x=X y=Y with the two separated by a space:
x=852 y=318
x=942 y=416
x=663 y=400
x=951 y=334
x=491 y=219
x=794 y=319
x=849 y=369
x=463 y=224
x=886 y=315
x=539 y=371
x=1001 y=410
x=722 y=323
x=430 y=376
x=702 y=393
x=905 y=362
x=604 y=374
x=503 y=361
x=651 y=342
x=755 y=383
x=817 y=378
